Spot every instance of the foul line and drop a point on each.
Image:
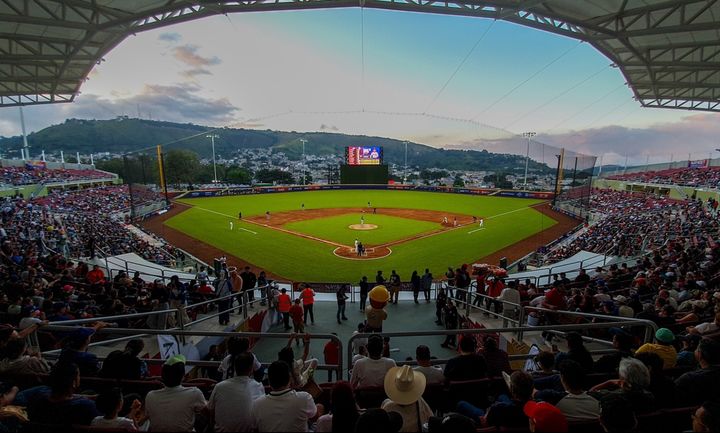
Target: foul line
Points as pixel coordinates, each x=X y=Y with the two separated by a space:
x=225 y=215
x=506 y=213
x=509 y=212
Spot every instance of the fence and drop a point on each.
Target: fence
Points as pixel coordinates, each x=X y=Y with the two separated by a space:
x=128 y=333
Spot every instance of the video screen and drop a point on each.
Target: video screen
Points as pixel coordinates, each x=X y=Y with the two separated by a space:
x=364 y=155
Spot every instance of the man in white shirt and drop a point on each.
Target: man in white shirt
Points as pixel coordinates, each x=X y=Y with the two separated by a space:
x=432 y=374
x=231 y=400
x=173 y=408
x=575 y=403
x=371 y=371
x=510 y=294
x=706 y=328
x=284 y=409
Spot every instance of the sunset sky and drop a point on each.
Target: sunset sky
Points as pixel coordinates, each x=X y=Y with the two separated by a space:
x=397 y=74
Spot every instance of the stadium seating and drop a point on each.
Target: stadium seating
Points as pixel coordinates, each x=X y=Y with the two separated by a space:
x=708 y=177
x=683 y=269
x=26 y=175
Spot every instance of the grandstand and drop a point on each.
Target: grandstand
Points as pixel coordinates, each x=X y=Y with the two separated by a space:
x=708 y=177
x=615 y=327
x=665 y=270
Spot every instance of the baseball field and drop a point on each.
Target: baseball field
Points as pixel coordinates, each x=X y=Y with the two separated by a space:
x=310 y=236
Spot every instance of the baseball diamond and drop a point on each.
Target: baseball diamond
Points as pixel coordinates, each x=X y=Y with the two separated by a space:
x=415 y=229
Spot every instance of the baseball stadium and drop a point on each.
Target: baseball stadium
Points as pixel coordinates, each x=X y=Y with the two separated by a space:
x=395 y=269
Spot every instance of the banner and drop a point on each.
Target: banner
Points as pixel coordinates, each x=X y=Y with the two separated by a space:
x=700 y=163
x=543 y=195
x=35 y=165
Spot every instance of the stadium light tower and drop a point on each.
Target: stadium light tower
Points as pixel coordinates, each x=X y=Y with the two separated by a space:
x=529 y=136
x=405 y=172
x=303 y=141
x=212 y=138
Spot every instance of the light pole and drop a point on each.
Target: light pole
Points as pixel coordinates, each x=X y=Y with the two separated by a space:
x=405 y=175
x=527 y=135
x=303 y=141
x=212 y=138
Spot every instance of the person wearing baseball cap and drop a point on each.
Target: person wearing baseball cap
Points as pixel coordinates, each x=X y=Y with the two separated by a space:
x=174 y=407
x=75 y=349
x=404 y=387
x=544 y=417
x=664 y=347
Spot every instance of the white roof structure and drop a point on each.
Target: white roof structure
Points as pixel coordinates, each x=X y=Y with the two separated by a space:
x=668 y=50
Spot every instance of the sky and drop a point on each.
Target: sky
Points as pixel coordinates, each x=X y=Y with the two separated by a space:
x=445 y=81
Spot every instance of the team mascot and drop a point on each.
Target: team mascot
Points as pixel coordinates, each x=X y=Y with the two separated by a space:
x=375 y=313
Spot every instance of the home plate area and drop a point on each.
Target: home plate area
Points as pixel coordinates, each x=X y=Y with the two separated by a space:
x=363 y=226
x=370 y=253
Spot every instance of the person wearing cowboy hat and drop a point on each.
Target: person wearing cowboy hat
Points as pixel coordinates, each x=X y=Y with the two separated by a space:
x=404 y=387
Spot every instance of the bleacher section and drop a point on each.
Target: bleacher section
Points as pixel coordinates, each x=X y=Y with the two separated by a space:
x=670 y=278
x=708 y=177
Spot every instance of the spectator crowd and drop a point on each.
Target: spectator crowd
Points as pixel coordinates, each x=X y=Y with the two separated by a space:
x=28 y=176
x=667 y=384
x=707 y=177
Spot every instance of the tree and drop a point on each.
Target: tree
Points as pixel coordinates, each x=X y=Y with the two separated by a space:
x=181 y=166
x=308 y=178
x=274 y=176
x=499 y=179
x=238 y=175
x=433 y=174
x=459 y=182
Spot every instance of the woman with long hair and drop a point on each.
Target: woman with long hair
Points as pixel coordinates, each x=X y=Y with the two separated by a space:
x=344 y=411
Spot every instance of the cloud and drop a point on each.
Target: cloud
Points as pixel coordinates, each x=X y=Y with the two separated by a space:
x=696 y=134
x=324 y=127
x=188 y=54
x=192 y=73
x=173 y=103
x=170 y=37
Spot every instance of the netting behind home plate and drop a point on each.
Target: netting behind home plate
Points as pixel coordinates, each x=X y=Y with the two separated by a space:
x=141 y=173
x=574 y=184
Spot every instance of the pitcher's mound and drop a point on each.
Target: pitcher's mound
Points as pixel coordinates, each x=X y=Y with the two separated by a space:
x=362 y=226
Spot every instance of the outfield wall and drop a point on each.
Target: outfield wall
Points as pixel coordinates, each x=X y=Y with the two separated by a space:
x=541 y=195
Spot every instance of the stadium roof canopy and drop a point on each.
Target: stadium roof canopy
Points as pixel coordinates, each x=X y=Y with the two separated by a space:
x=668 y=50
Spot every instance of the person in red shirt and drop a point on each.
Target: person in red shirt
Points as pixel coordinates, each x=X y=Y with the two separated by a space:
x=332 y=356
x=494 y=289
x=296 y=314
x=555 y=299
x=284 y=304
x=479 y=286
x=96 y=276
x=205 y=289
x=308 y=299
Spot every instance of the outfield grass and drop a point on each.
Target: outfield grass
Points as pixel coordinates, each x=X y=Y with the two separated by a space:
x=336 y=228
x=507 y=221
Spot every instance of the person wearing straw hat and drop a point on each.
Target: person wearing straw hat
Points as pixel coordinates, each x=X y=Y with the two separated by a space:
x=404 y=388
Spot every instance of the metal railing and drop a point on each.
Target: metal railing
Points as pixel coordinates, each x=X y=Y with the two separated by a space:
x=178 y=312
x=481 y=331
x=129 y=332
x=649 y=325
x=521 y=312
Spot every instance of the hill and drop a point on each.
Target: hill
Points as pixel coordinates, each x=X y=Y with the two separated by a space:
x=127 y=135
